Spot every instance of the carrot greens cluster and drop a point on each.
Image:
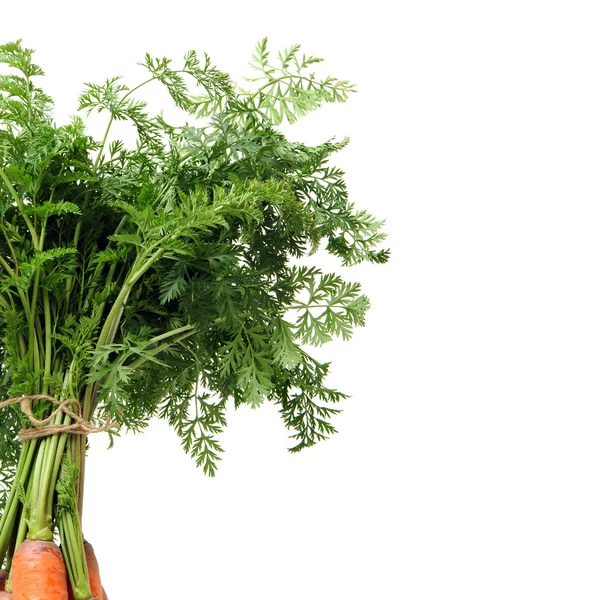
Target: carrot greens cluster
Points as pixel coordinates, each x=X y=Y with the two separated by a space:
x=164 y=280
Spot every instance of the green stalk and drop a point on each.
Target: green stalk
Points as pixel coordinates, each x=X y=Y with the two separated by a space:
x=39 y=525
x=173 y=332
x=9 y=244
x=80 y=454
x=113 y=319
x=22 y=296
x=22 y=346
x=6 y=305
x=10 y=514
x=99 y=268
x=48 y=334
x=21 y=533
x=47 y=465
x=28 y=102
x=151 y=353
x=21 y=207
x=13 y=540
x=69 y=281
x=69 y=527
x=62 y=442
x=35 y=364
x=73 y=551
x=48 y=479
x=103 y=143
x=6 y=266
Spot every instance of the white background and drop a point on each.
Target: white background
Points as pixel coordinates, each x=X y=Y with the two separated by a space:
x=466 y=462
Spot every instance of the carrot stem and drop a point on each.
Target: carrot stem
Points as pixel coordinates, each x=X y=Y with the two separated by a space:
x=81 y=449
x=40 y=522
x=10 y=514
x=48 y=480
x=13 y=539
x=69 y=527
x=21 y=535
x=46 y=475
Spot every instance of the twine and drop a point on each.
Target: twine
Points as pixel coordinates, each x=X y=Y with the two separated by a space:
x=41 y=427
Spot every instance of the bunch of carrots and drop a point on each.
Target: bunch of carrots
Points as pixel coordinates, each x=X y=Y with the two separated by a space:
x=159 y=281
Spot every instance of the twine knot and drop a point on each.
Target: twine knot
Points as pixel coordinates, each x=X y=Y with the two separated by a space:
x=43 y=428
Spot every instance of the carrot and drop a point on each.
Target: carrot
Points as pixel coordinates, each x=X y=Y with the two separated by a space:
x=103 y=592
x=5 y=595
x=93 y=568
x=3 y=578
x=38 y=572
x=95 y=583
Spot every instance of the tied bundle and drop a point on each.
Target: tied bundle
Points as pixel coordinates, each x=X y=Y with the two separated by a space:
x=161 y=280
x=43 y=427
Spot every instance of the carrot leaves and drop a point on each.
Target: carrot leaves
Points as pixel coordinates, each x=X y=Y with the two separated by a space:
x=165 y=280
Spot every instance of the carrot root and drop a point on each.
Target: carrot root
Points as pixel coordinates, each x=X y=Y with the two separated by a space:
x=93 y=569
x=95 y=581
x=38 y=572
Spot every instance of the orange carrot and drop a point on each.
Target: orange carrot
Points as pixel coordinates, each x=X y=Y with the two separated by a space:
x=95 y=582
x=103 y=591
x=38 y=572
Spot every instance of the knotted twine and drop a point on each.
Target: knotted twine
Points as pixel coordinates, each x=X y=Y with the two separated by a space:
x=42 y=428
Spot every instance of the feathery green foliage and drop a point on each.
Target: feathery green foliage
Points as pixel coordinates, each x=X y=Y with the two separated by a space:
x=163 y=280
